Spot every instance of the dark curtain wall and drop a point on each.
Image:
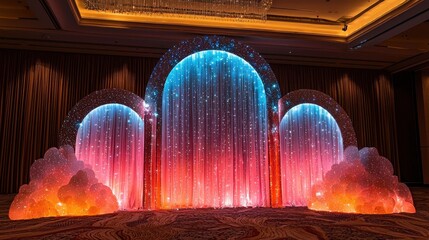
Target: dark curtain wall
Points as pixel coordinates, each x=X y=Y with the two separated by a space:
x=408 y=131
x=37 y=89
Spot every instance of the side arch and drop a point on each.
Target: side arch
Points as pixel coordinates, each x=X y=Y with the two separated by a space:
x=301 y=96
x=75 y=116
x=314 y=131
x=107 y=130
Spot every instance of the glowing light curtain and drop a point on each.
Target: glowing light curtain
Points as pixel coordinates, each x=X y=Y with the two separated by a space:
x=110 y=139
x=310 y=143
x=214 y=134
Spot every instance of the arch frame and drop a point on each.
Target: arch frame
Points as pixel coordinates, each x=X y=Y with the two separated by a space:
x=302 y=96
x=71 y=123
x=153 y=98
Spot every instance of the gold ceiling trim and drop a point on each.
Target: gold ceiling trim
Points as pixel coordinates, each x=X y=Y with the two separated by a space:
x=368 y=17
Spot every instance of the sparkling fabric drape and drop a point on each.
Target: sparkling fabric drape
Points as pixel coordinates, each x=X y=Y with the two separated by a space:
x=310 y=143
x=214 y=134
x=110 y=139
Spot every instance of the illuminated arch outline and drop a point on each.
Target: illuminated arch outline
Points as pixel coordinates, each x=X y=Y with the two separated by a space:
x=92 y=101
x=301 y=96
x=305 y=164
x=153 y=97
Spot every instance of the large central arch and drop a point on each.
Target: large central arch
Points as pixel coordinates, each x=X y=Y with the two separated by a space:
x=214 y=134
x=158 y=84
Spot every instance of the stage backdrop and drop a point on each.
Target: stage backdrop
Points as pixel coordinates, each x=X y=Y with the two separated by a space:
x=37 y=89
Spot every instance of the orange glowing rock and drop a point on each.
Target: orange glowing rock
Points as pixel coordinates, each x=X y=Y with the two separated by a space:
x=362 y=183
x=60 y=186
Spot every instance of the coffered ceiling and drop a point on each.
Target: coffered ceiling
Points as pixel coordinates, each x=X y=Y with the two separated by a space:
x=389 y=34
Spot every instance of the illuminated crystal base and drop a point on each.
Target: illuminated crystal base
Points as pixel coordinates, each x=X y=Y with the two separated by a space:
x=362 y=183
x=61 y=186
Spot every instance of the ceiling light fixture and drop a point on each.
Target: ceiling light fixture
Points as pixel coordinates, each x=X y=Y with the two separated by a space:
x=236 y=9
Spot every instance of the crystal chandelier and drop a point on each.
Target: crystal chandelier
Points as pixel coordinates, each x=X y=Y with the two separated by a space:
x=235 y=9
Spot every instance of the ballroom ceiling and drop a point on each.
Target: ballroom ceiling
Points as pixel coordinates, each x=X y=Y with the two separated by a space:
x=389 y=34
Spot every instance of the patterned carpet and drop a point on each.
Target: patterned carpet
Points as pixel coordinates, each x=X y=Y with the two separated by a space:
x=238 y=223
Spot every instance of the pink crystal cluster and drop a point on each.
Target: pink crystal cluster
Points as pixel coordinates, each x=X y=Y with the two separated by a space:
x=362 y=183
x=61 y=185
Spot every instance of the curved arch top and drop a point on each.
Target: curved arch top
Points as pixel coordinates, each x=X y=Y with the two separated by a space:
x=216 y=58
x=176 y=54
x=301 y=96
x=96 y=99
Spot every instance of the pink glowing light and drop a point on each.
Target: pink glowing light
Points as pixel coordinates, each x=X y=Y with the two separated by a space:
x=61 y=186
x=310 y=143
x=110 y=139
x=362 y=183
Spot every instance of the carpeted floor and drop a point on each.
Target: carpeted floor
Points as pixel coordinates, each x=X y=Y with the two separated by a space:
x=238 y=223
